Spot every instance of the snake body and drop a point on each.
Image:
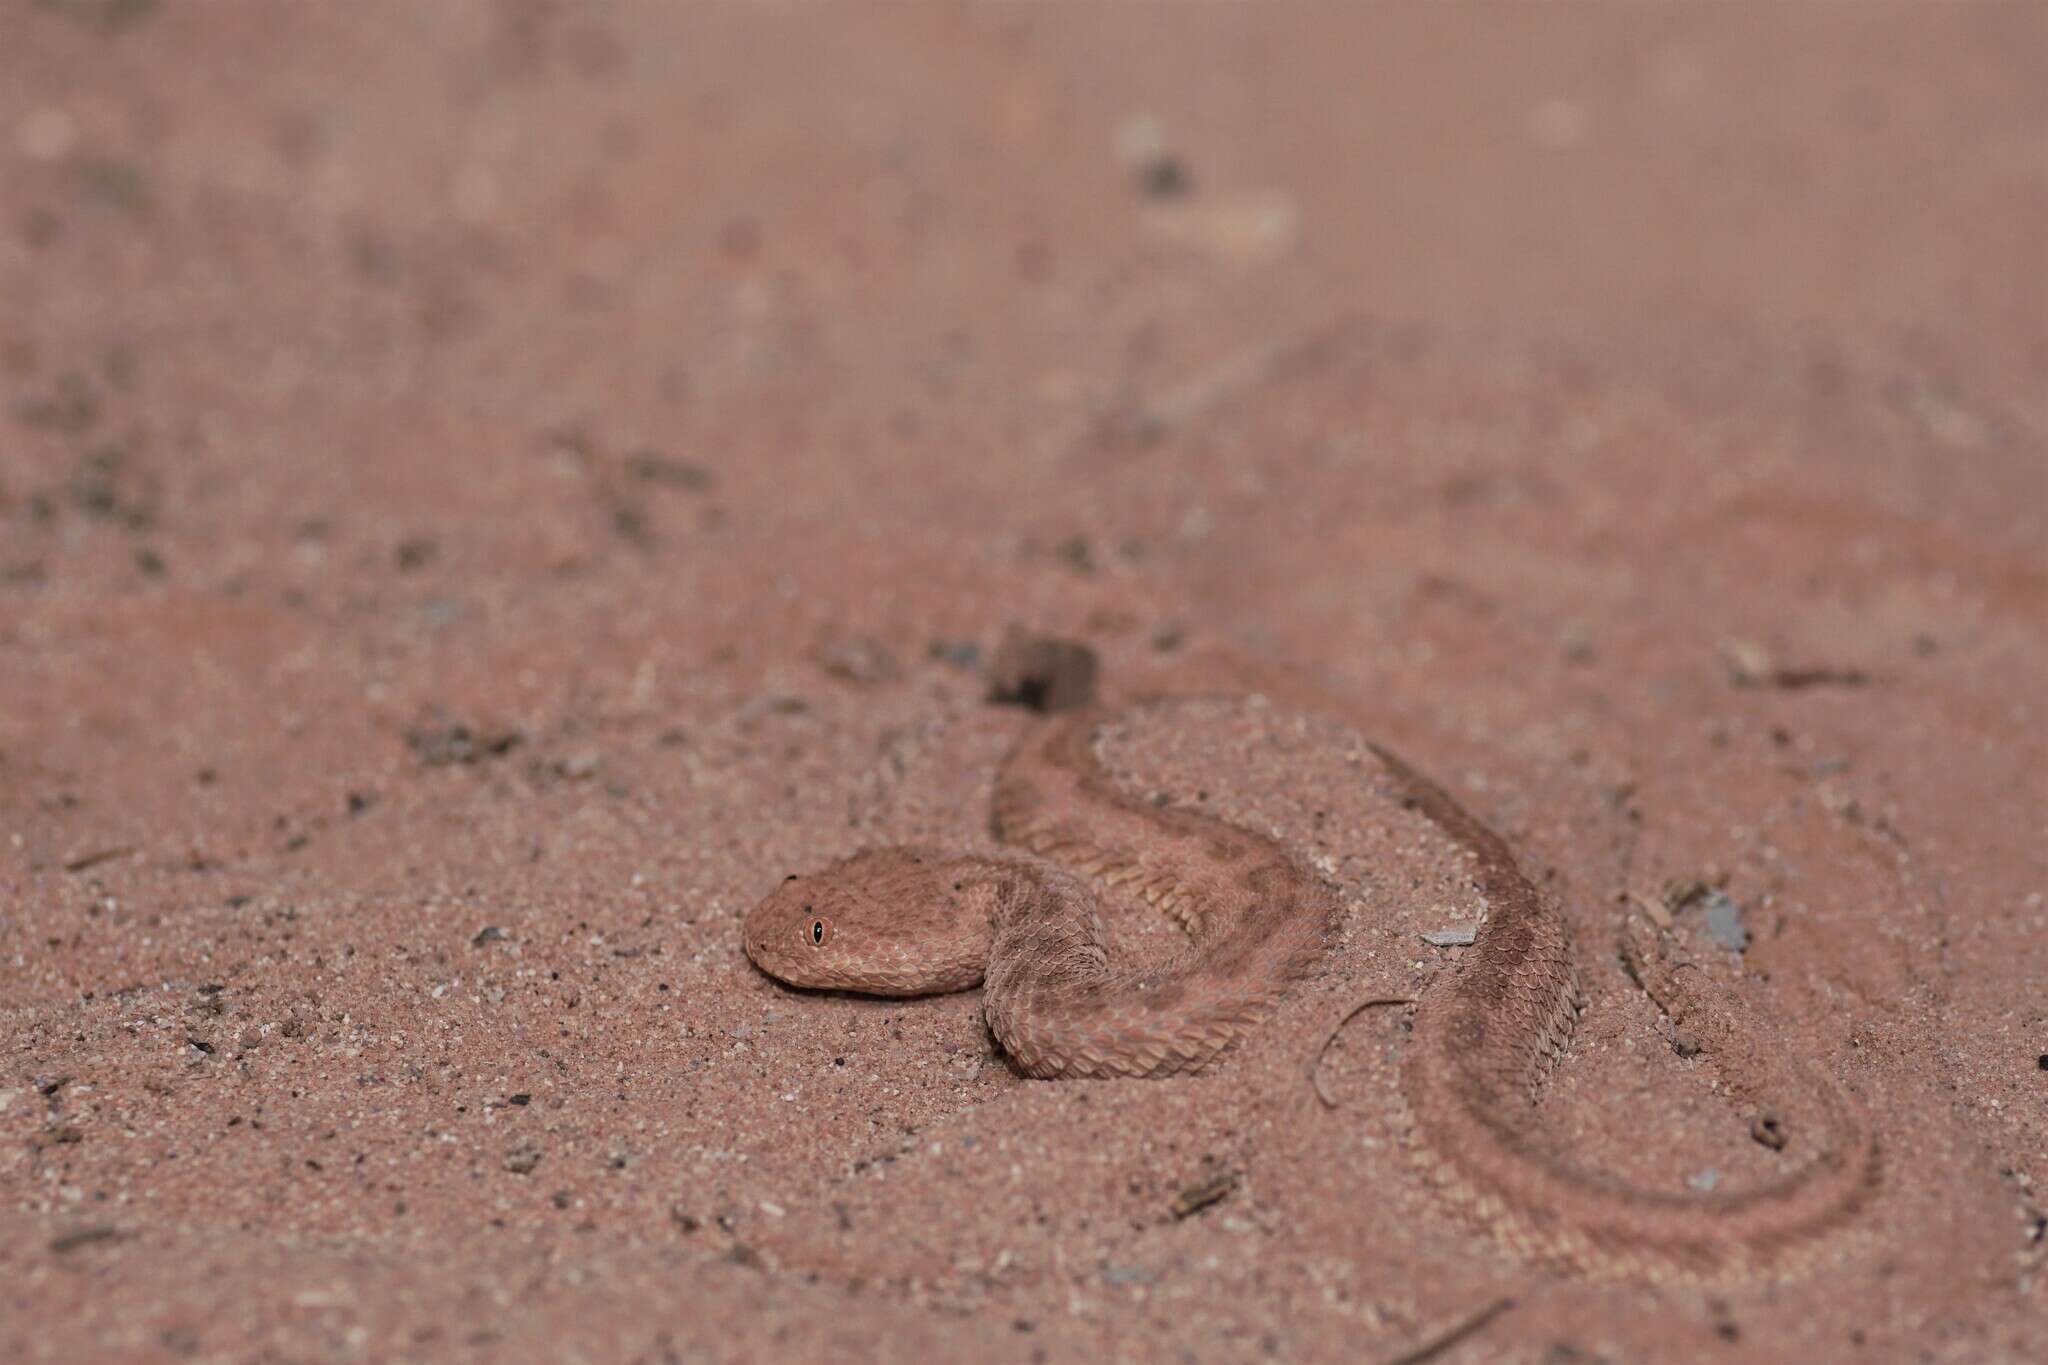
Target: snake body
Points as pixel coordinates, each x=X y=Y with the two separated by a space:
x=911 y=921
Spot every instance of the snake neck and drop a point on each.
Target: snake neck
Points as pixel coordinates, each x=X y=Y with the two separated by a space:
x=1257 y=920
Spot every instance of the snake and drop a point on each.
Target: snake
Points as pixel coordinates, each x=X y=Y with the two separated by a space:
x=1027 y=927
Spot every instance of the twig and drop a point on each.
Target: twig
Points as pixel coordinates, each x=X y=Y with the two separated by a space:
x=1202 y=1194
x=84 y=1237
x=1452 y=1335
x=1315 y=1066
x=95 y=858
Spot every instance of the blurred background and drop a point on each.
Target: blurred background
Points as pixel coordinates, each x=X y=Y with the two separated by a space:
x=761 y=312
x=385 y=387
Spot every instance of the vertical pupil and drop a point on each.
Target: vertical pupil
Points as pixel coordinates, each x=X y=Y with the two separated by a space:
x=817 y=931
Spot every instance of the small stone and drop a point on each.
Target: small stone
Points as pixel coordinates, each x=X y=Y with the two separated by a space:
x=1724 y=921
x=1164 y=177
x=1456 y=936
x=490 y=933
x=865 y=660
x=522 y=1160
x=580 y=765
x=1684 y=1043
x=1041 y=672
x=1748 y=662
x=441 y=743
x=960 y=654
x=1705 y=1181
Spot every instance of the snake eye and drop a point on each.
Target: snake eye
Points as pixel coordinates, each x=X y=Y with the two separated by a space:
x=819 y=933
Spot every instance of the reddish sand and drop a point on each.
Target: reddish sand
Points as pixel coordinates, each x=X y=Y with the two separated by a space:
x=487 y=489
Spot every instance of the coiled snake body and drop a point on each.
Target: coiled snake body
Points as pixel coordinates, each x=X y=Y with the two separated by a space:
x=914 y=921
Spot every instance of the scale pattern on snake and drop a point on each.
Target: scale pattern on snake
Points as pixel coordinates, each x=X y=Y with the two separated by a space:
x=915 y=921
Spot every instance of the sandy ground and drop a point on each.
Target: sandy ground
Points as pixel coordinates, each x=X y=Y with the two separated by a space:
x=485 y=489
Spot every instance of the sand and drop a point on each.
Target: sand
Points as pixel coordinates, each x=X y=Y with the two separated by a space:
x=485 y=490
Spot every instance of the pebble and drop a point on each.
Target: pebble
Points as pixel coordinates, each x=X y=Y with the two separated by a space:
x=1042 y=673
x=1724 y=922
x=961 y=654
x=865 y=660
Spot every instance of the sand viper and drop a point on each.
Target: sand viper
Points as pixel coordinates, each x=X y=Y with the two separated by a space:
x=914 y=921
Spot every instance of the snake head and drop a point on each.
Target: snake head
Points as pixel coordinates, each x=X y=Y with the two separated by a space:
x=887 y=921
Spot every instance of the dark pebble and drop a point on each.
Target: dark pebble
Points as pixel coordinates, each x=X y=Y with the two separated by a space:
x=1042 y=673
x=1164 y=177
